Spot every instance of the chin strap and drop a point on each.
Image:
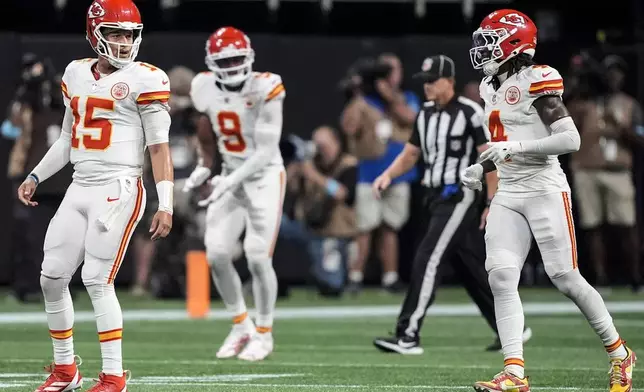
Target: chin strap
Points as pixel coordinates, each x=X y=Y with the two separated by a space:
x=491 y=68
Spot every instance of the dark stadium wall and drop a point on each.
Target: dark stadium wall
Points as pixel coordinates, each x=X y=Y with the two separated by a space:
x=310 y=66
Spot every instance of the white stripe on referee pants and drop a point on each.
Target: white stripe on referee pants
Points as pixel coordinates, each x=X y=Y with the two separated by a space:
x=429 y=278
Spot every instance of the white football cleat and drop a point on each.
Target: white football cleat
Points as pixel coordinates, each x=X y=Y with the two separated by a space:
x=235 y=342
x=258 y=348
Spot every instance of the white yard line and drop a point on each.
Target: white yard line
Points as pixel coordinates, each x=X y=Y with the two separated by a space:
x=328 y=312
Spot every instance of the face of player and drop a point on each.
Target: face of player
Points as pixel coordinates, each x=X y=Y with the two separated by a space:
x=231 y=62
x=120 y=42
x=327 y=145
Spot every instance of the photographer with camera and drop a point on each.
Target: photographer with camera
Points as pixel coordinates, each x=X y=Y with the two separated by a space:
x=377 y=121
x=611 y=125
x=323 y=181
x=37 y=112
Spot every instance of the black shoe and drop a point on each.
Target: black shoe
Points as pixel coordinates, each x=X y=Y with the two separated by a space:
x=354 y=288
x=395 y=288
x=496 y=345
x=401 y=345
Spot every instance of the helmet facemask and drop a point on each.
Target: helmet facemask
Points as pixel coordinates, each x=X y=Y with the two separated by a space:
x=486 y=50
x=118 y=54
x=231 y=67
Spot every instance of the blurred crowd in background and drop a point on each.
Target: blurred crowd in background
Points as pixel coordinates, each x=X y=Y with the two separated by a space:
x=363 y=231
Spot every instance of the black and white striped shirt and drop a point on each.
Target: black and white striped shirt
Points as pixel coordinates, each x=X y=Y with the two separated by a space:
x=448 y=138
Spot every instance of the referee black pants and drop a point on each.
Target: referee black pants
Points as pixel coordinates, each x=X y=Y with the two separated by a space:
x=452 y=235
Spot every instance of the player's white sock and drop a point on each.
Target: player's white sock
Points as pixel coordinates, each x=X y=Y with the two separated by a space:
x=264 y=292
x=109 y=323
x=228 y=284
x=591 y=304
x=60 y=318
x=244 y=321
x=514 y=366
x=504 y=283
x=356 y=276
x=389 y=278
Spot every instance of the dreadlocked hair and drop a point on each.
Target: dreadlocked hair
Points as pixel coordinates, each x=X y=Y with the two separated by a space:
x=519 y=62
x=514 y=65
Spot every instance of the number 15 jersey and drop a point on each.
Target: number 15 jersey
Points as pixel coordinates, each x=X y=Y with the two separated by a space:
x=510 y=116
x=234 y=115
x=108 y=138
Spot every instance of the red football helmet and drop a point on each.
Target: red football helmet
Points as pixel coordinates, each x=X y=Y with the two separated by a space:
x=229 y=55
x=501 y=36
x=114 y=14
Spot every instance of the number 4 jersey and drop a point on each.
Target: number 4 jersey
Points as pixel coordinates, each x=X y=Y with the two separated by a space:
x=510 y=116
x=108 y=138
x=234 y=115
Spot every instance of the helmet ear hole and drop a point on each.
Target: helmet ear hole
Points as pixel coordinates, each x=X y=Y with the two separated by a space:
x=515 y=42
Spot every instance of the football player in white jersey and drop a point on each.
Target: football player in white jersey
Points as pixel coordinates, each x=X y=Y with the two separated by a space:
x=115 y=108
x=530 y=126
x=242 y=111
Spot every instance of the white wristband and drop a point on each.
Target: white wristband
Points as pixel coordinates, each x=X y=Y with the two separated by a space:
x=165 y=190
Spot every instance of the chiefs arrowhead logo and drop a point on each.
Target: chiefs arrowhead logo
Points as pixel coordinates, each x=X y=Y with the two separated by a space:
x=513 y=19
x=96 y=10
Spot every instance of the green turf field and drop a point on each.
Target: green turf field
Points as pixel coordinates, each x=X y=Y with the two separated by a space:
x=327 y=348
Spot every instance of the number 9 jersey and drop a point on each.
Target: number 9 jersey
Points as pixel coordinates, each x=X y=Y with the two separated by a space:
x=510 y=116
x=234 y=115
x=109 y=133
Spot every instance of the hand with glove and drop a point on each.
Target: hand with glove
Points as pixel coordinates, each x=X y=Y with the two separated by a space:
x=501 y=152
x=471 y=177
x=197 y=177
x=220 y=185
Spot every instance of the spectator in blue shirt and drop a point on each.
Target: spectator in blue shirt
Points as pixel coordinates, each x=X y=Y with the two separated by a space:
x=398 y=109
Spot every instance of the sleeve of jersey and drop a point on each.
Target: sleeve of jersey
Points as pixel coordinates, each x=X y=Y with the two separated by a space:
x=545 y=81
x=58 y=154
x=154 y=87
x=275 y=89
x=153 y=106
x=67 y=96
x=195 y=92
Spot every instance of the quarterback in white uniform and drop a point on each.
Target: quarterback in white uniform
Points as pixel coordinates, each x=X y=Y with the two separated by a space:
x=529 y=127
x=242 y=110
x=115 y=108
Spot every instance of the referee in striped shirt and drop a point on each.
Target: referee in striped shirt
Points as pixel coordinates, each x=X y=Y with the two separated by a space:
x=448 y=135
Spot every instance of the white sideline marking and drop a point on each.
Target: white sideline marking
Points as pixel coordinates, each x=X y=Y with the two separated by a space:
x=327 y=312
